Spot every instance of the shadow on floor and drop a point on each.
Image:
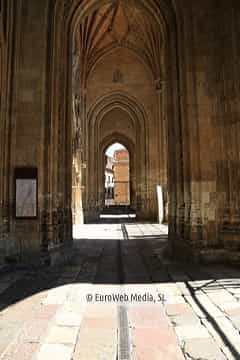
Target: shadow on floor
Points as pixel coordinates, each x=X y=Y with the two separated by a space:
x=97 y=261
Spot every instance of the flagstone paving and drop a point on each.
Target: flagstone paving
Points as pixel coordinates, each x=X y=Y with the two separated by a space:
x=120 y=298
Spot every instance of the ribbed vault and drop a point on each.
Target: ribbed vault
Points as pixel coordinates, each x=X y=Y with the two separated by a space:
x=118 y=24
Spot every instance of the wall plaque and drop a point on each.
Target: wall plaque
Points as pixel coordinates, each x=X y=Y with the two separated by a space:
x=26 y=193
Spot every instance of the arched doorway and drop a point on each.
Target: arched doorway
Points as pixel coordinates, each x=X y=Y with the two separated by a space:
x=115 y=118
x=78 y=104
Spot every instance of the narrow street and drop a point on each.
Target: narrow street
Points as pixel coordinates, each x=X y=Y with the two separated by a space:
x=120 y=298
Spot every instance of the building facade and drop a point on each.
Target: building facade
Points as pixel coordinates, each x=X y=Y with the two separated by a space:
x=121 y=177
x=109 y=180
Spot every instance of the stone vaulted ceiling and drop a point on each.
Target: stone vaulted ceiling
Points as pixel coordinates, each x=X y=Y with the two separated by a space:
x=118 y=24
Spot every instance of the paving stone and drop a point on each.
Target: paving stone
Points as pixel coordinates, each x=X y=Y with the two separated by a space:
x=99 y=323
x=3 y=346
x=230 y=332
x=20 y=351
x=105 y=344
x=191 y=332
x=152 y=337
x=9 y=332
x=182 y=314
x=54 y=300
x=220 y=341
x=234 y=290
x=68 y=319
x=203 y=349
x=156 y=343
x=236 y=321
x=169 y=352
x=230 y=307
x=183 y=319
x=208 y=307
x=62 y=335
x=196 y=307
x=102 y=311
x=74 y=307
x=147 y=316
x=178 y=309
x=12 y=314
x=175 y=300
x=221 y=297
x=55 y=351
x=45 y=312
x=33 y=331
x=169 y=290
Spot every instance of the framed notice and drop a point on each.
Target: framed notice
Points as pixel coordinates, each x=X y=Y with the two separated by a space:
x=26 y=191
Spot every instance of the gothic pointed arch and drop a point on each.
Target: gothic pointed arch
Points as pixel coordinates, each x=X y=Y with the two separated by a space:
x=82 y=20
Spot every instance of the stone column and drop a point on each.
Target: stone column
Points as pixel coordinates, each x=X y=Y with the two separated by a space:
x=79 y=141
x=163 y=145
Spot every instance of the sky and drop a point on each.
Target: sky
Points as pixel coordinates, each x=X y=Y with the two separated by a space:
x=114 y=147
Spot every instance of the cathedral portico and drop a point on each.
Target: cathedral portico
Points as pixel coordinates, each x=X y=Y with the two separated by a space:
x=78 y=75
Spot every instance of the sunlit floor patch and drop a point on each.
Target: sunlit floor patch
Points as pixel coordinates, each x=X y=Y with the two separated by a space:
x=119 y=216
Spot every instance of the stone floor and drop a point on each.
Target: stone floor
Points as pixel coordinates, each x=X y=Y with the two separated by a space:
x=120 y=298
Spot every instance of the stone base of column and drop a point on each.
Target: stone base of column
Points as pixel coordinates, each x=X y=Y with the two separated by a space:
x=91 y=216
x=219 y=256
x=143 y=216
x=206 y=255
x=230 y=237
x=55 y=255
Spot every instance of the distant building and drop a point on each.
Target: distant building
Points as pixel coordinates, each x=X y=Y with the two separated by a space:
x=109 y=180
x=121 y=177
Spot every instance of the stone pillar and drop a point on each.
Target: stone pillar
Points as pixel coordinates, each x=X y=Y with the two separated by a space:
x=163 y=144
x=8 y=244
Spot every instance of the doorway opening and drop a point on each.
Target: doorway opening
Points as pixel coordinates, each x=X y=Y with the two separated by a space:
x=117 y=176
x=117 y=188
